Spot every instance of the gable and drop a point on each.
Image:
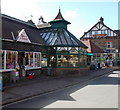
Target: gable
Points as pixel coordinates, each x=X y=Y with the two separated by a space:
x=23 y=37
x=99 y=30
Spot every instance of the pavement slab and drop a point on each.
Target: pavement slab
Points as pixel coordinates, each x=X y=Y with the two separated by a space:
x=38 y=86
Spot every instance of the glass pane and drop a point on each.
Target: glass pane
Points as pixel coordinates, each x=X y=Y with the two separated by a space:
x=50 y=38
x=37 y=59
x=68 y=38
x=62 y=37
x=52 y=60
x=83 y=60
x=41 y=33
x=47 y=35
x=54 y=40
x=10 y=60
x=75 y=43
x=44 y=35
x=29 y=59
x=68 y=61
x=58 y=41
x=44 y=60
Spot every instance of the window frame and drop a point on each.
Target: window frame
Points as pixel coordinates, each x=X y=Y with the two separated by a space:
x=5 y=69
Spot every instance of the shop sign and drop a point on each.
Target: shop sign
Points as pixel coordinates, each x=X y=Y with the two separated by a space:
x=100 y=35
x=22 y=36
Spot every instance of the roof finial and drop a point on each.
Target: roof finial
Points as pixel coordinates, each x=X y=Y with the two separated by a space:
x=59 y=8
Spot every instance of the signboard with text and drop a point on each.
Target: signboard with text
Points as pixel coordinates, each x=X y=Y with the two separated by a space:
x=100 y=35
x=22 y=37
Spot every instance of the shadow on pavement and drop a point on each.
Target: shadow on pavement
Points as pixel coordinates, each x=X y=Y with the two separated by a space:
x=46 y=99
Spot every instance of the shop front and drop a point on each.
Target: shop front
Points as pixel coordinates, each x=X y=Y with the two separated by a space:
x=23 y=62
x=21 y=50
x=68 y=57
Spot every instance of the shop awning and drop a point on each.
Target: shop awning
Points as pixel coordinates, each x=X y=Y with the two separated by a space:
x=90 y=54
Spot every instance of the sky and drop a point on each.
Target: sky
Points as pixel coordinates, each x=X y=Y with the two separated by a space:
x=82 y=14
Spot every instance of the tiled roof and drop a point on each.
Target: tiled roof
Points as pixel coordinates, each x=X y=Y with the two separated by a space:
x=12 y=26
x=92 y=47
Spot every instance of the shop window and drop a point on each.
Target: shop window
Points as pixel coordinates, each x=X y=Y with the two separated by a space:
x=10 y=60
x=52 y=61
x=33 y=59
x=83 y=60
x=37 y=60
x=28 y=59
x=67 y=61
x=44 y=60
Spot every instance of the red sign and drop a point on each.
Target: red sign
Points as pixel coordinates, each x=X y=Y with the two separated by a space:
x=100 y=35
x=22 y=37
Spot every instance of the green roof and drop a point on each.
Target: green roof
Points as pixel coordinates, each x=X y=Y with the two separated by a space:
x=60 y=37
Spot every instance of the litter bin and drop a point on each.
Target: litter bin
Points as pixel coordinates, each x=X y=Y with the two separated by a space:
x=14 y=76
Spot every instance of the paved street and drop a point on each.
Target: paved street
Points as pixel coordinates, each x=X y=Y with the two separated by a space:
x=101 y=92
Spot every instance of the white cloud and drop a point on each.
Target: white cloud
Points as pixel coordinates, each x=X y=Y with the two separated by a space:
x=22 y=9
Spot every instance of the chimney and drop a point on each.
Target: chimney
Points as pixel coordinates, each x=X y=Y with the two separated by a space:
x=101 y=20
x=41 y=20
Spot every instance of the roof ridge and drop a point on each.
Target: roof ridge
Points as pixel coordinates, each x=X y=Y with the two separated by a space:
x=17 y=20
